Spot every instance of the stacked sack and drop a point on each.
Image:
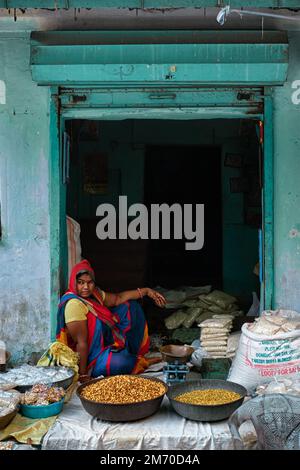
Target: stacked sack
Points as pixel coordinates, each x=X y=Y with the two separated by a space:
x=214 y=335
x=206 y=305
x=268 y=348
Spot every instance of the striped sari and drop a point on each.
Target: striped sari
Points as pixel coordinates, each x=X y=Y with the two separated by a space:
x=117 y=338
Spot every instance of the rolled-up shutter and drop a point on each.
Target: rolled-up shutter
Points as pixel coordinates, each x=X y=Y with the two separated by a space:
x=128 y=58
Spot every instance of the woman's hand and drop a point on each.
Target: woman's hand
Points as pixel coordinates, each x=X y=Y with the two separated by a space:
x=84 y=378
x=156 y=297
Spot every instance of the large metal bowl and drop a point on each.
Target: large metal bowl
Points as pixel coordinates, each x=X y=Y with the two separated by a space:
x=176 y=353
x=5 y=420
x=65 y=383
x=205 y=412
x=121 y=412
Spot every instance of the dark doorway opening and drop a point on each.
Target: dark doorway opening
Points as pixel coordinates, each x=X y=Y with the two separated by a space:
x=217 y=163
x=186 y=175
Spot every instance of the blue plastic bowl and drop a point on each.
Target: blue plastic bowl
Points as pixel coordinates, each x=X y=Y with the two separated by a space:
x=42 y=411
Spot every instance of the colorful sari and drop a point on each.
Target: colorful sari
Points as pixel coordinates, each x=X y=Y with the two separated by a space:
x=117 y=338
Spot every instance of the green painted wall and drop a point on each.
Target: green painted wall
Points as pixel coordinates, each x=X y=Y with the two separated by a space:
x=287 y=186
x=24 y=248
x=124 y=143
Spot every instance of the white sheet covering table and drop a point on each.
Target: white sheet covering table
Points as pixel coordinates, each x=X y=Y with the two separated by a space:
x=75 y=429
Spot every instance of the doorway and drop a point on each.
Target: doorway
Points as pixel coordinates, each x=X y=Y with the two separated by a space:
x=186 y=174
x=164 y=161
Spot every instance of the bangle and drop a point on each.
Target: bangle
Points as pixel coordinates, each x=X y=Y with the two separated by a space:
x=140 y=292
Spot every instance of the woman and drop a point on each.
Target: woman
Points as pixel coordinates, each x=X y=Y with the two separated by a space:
x=109 y=341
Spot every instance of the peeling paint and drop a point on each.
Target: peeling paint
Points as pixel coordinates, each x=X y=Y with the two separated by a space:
x=294 y=233
x=2 y=92
x=24 y=248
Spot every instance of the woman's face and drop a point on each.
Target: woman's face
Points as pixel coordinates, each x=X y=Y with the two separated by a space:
x=85 y=285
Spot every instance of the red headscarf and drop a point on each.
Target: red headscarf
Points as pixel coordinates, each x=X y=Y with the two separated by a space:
x=95 y=303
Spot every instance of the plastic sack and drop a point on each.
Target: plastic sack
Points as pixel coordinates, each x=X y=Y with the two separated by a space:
x=210 y=337
x=215 y=331
x=191 y=303
x=174 y=298
x=185 y=335
x=287 y=386
x=215 y=348
x=202 y=299
x=233 y=342
x=276 y=419
x=214 y=342
x=216 y=323
x=175 y=320
x=191 y=316
x=255 y=307
x=260 y=358
x=197 y=356
x=9 y=401
x=191 y=291
x=221 y=299
x=274 y=322
x=204 y=315
x=216 y=309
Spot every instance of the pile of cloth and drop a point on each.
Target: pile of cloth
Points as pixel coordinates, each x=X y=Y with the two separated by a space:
x=194 y=311
x=214 y=335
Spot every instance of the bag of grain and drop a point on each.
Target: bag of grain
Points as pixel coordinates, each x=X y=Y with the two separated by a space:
x=267 y=349
x=175 y=320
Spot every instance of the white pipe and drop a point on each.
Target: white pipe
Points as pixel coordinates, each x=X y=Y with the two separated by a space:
x=226 y=11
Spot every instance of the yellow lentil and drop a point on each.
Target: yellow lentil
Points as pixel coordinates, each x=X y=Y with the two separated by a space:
x=208 y=397
x=123 y=389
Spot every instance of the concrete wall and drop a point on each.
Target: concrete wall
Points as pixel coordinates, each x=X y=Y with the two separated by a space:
x=287 y=186
x=24 y=156
x=24 y=248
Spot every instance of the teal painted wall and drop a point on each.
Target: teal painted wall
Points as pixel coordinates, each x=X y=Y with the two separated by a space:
x=24 y=248
x=287 y=186
x=124 y=143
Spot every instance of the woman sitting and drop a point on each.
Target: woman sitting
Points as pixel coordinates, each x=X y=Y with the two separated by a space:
x=109 y=341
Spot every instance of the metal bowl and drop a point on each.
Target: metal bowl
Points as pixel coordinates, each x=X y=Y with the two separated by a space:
x=174 y=352
x=205 y=412
x=65 y=383
x=42 y=411
x=5 y=420
x=121 y=412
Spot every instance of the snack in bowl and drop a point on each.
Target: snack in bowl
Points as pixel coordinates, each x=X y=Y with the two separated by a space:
x=208 y=397
x=122 y=398
x=42 y=401
x=122 y=389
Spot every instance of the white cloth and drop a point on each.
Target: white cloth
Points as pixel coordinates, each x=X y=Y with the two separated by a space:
x=75 y=429
x=74 y=244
